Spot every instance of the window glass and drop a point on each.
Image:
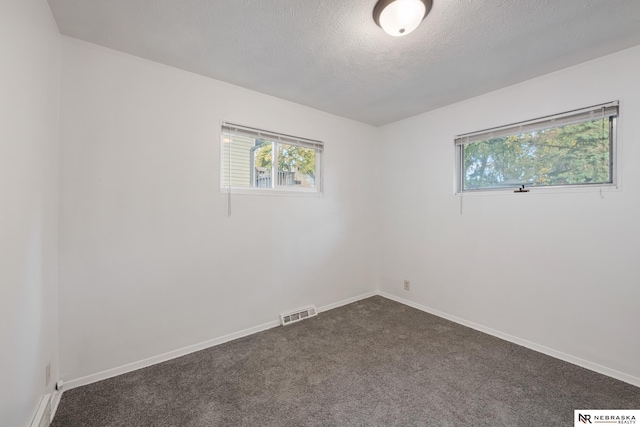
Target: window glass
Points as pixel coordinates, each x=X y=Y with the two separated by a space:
x=548 y=154
x=296 y=166
x=249 y=156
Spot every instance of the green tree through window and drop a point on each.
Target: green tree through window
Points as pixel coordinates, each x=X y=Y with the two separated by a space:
x=291 y=158
x=566 y=155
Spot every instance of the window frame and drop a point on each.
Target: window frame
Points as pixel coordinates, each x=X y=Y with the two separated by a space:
x=276 y=139
x=545 y=122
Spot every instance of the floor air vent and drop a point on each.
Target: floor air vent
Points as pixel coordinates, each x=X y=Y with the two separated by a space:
x=298 y=315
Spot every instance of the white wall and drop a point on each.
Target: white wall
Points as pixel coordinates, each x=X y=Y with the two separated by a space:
x=149 y=260
x=561 y=269
x=29 y=113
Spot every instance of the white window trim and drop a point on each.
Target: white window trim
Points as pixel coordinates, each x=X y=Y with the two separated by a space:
x=614 y=186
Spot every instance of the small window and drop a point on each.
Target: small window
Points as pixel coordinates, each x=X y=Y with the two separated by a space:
x=259 y=160
x=576 y=148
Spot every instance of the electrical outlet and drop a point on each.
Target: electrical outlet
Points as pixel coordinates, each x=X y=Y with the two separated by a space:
x=407 y=285
x=47 y=374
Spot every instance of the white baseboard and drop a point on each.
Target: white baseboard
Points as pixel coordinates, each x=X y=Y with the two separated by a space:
x=525 y=343
x=220 y=340
x=347 y=301
x=43 y=413
x=55 y=401
x=109 y=373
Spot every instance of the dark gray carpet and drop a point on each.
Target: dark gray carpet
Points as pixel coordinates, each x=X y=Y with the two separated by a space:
x=371 y=363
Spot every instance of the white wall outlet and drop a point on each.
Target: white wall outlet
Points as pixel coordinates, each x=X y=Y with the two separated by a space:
x=407 y=285
x=47 y=374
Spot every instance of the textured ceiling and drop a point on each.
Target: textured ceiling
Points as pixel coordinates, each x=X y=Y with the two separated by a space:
x=330 y=55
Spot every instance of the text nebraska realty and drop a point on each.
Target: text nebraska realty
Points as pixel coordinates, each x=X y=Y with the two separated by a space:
x=607 y=419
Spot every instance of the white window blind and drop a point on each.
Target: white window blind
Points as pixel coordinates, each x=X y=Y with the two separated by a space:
x=238 y=130
x=596 y=112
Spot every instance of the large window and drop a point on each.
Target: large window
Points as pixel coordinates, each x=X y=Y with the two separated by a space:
x=262 y=161
x=576 y=148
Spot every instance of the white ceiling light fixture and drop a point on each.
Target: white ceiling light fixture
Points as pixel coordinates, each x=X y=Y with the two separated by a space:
x=400 y=17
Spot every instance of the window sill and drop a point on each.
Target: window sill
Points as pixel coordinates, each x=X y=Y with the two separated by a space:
x=272 y=192
x=567 y=189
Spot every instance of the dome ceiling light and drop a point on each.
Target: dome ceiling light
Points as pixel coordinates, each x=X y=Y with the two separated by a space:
x=400 y=17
